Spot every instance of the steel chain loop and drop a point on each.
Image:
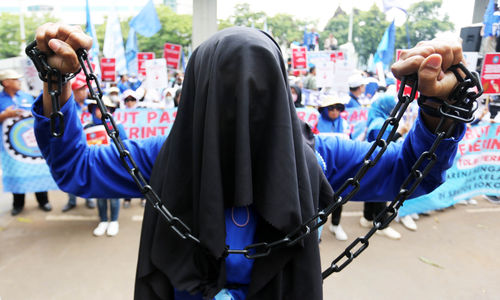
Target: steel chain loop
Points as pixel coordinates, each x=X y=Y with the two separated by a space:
x=461 y=110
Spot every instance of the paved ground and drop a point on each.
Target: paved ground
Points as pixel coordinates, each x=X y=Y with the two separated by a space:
x=453 y=255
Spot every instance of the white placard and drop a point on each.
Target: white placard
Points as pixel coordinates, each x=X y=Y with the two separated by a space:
x=156 y=74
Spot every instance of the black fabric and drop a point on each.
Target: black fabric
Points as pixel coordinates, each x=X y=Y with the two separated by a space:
x=236 y=141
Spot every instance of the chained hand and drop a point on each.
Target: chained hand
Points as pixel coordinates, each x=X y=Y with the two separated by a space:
x=59 y=43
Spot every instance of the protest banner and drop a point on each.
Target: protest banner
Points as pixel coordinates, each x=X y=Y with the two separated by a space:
x=156 y=74
x=141 y=58
x=356 y=117
x=108 y=69
x=172 y=54
x=490 y=74
x=24 y=170
x=308 y=115
x=475 y=171
x=299 y=58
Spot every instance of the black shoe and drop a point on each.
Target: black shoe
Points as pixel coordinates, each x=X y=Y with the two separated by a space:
x=45 y=207
x=16 y=210
x=90 y=204
x=68 y=207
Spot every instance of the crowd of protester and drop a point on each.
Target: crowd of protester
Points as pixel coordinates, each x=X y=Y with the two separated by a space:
x=130 y=92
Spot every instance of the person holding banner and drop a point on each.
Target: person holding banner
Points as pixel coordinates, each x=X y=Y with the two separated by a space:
x=235 y=167
x=13 y=104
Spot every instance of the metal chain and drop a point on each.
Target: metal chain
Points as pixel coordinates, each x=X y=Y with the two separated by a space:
x=461 y=110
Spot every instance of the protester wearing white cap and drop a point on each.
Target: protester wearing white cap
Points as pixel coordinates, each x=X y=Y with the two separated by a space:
x=330 y=122
x=356 y=84
x=114 y=94
x=129 y=99
x=13 y=102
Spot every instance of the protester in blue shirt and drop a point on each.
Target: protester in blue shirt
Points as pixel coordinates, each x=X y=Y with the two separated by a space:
x=356 y=84
x=13 y=102
x=235 y=167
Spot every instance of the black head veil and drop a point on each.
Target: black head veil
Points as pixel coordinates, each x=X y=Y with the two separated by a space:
x=236 y=141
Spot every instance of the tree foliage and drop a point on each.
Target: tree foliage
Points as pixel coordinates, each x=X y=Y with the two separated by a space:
x=424 y=22
x=11 y=35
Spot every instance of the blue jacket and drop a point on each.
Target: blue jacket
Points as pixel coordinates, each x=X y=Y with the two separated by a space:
x=90 y=171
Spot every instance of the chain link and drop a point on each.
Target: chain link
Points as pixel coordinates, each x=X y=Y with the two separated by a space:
x=461 y=110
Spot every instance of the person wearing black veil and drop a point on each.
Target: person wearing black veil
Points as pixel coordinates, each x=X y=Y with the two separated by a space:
x=236 y=143
x=235 y=169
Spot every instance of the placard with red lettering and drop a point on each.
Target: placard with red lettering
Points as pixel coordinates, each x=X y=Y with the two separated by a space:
x=490 y=73
x=299 y=58
x=96 y=135
x=141 y=58
x=108 y=69
x=172 y=53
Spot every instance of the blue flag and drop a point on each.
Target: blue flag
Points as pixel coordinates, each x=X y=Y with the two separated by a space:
x=385 y=50
x=94 y=51
x=131 y=50
x=146 y=22
x=489 y=18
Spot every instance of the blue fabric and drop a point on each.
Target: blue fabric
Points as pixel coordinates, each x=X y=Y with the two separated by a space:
x=131 y=50
x=146 y=22
x=385 y=49
x=489 y=18
x=343 y=159
x=353 y=102
x=102 y=176
x=326 y=124
x=378 y=113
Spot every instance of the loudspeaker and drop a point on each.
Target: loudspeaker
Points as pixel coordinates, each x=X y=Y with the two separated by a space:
x=471 y=38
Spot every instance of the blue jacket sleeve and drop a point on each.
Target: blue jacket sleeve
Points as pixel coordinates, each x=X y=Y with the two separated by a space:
x=344 y=158
x=90 y=171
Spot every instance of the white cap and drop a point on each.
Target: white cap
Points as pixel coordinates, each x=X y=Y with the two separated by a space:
x=329 y=100
x=356 y=80
x=9 y=74
x=129 y=93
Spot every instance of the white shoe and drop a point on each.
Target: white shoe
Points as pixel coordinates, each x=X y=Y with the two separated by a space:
x=113 y=228
x=408 y=222
x=101 y=228
x=415 y=216
x=390 y=233
x=338 y=232
x=365 y=223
